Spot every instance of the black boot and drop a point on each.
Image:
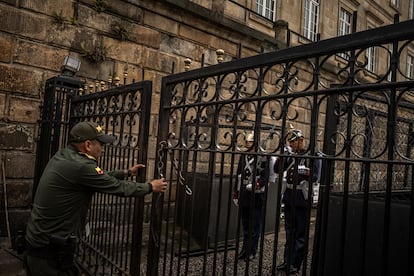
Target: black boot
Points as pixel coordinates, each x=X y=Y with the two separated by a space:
x=242 y=255
x=251 y=257
x=293 y=270
x=282 y=266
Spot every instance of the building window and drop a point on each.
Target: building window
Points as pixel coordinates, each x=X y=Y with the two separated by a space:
x=389 y=77
x=395 y=3
x=266 y=8
x=410 y=67
x=310 y=26
x=411 y=10
x=370 y=54
x=344 y=27
x=344 y=22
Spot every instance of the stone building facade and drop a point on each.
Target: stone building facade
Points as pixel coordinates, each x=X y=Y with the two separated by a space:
x=141 y=39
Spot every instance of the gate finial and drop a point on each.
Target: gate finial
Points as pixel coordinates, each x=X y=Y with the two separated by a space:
x=220 y=53
x=187 y=63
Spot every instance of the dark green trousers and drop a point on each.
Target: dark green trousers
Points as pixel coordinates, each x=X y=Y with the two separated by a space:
x=38 y=266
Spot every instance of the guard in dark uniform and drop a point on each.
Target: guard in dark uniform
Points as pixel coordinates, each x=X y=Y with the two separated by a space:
x=250 y=182
x=297 y=173
x=64 y=193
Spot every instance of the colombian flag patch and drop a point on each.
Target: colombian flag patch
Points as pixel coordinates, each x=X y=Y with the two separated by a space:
x=98 y=170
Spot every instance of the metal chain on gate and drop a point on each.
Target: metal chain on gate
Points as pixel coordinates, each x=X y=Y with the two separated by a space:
x=174 y=161
x=163 y=148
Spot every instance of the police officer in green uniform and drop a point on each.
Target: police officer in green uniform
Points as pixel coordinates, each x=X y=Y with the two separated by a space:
x=64 y=193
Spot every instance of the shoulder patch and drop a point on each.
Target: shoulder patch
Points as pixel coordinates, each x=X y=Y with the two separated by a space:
x=99 y=170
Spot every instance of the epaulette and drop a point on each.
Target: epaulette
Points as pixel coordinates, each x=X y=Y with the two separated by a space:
x=87 y=155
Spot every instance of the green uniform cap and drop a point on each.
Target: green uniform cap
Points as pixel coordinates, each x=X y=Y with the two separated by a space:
x=89 y=131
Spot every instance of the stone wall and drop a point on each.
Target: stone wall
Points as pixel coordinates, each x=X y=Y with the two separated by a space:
x=145 y=39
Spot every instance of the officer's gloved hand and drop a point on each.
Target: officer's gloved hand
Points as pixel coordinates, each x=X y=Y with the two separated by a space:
x=260 y=190
x=304 y=171
x=305 y=188
x=236 y=198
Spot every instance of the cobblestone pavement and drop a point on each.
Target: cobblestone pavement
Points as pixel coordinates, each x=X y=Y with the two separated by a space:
x=216 y=264
x=219 y=263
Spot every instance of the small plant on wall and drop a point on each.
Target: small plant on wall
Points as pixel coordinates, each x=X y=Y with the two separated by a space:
x=74 y=21
x=59 y=19
x=121 y=30
x=96 y=54
x=100 y=5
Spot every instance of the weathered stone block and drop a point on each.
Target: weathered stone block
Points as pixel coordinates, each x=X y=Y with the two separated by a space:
x=85 y=38
x=17 y=221
x=131 y=11
x=38 y=55
x=153 y=131
x=13 y=20
x=158 y=61
x=51 y=7
x=16 y=136
x=95 y=71
x=235 y=11
x=24 y=110
x=160 y=22
x=156 y=78
x=174 y=45
x=19 y=165
x=124 y=51
x=3 y=98
x=63 y=35
x=204 y=3
x=93 y=19
x=11 y=2
x=20 y=80
x=152 y=149
x=6 y=44
x=190 y=33
x=19 y=192
x=145 y=36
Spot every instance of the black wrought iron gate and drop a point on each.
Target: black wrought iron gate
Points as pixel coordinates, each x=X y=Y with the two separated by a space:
x=113 y=243
x=356 y=118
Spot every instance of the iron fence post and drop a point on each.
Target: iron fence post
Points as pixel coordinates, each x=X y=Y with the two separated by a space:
x=54 y=115
x=154 y=246
x=146 y=96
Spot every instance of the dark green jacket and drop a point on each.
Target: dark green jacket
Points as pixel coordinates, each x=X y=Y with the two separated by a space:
x=65 y=191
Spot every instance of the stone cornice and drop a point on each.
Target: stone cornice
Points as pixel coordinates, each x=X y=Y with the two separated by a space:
x=218 y=18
